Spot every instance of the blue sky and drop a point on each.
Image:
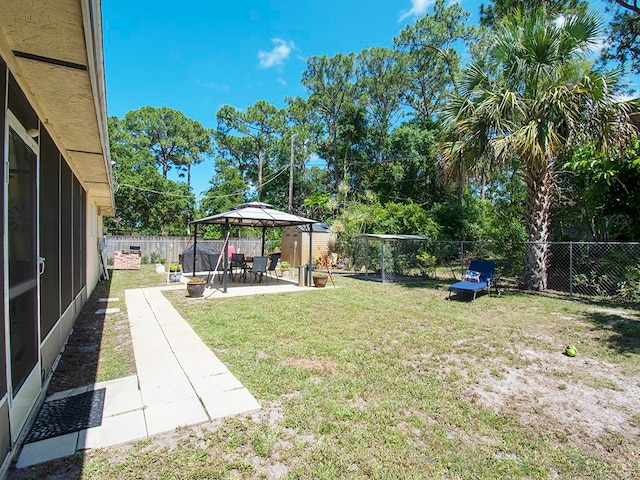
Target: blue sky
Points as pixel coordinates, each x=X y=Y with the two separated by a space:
x=195 y=56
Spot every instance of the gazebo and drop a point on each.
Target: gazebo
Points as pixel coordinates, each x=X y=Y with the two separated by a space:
x=253 y=214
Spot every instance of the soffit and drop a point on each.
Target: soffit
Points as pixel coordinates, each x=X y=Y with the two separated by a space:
x=51 y=63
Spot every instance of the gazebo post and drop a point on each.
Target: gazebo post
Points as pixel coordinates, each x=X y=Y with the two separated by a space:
x=195 y=242
x=225 y=275
x=264 y=231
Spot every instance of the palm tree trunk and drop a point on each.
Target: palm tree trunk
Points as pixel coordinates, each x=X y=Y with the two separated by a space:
x=539 y=188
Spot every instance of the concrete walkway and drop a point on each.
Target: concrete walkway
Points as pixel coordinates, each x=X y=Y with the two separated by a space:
x=179 y=382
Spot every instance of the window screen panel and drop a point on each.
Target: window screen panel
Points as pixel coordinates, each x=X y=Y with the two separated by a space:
x=49 y=232
x=3 y=96
x=66 y=235
x=78 y=236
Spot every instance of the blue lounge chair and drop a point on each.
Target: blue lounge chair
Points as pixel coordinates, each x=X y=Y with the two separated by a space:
x=485 y=268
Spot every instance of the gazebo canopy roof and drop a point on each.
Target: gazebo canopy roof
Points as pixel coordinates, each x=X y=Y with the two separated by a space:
x=255 y=214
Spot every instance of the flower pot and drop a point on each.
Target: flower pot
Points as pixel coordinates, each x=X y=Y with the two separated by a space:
x=320 y=281
x=196 y=289
x=175 y=276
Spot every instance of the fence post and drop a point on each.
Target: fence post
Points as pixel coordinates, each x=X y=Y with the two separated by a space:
x=382 y=269
x=571 y=268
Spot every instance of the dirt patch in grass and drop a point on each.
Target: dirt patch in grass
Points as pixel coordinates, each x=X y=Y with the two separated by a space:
x=314 y=364
x=582 y=400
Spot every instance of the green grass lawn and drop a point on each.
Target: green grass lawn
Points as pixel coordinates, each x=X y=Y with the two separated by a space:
x=395 y=382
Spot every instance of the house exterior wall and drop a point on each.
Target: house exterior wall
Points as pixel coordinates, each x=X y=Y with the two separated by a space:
x=69 y=200
x=78 y=278
x=94 y=235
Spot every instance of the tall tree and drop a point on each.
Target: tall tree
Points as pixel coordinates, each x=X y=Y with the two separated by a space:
x=410 y=172
x=250 y=138
x=227 y=189
x=173 y=139
x=433 y=61
x=381 y=82
x=329 y=82
x=623 y=45
x=146 y=202
x=601 y=194
x=541 y=103
x=494 y=11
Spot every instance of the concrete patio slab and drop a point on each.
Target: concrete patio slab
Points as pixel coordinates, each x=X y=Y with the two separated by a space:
x=213 y=384
x=122 y=428
x=49 y=449
x=165 y=417
x=233 y=402
x=69 y=393
x=122 y=395
x=103 y=311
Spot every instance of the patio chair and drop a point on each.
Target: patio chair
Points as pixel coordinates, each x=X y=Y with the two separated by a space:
x=273 y=263
x=237 y=262
x=478 y=277
x=258 y=268
x=215 y=267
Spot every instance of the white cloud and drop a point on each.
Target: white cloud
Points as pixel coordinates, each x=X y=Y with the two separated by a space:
x=282 y=81
x=277 y=55
x=627 y=97
x=213 y=86
x=560 y=21
x=418 y=8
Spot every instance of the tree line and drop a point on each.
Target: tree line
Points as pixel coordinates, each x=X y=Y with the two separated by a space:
x=526 y=140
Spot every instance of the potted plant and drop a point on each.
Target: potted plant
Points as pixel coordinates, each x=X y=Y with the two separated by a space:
x=319 y=279
x=175 y=272
x=196 y=286
x=284 y=267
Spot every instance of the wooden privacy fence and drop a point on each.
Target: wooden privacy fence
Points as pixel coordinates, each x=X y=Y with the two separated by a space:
x=169 y=249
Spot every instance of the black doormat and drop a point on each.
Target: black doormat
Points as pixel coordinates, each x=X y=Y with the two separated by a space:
x=66 y=415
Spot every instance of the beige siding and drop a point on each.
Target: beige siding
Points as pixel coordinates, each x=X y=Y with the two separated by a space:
x=298 y=254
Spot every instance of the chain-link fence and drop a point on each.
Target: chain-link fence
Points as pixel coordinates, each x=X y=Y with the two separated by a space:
x=594 y=269
x=602 y=269
x=389 y=258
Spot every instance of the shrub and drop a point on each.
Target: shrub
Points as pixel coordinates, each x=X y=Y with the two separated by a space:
x=630 y=286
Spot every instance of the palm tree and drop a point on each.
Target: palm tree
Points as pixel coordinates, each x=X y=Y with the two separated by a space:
x=541 y=98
